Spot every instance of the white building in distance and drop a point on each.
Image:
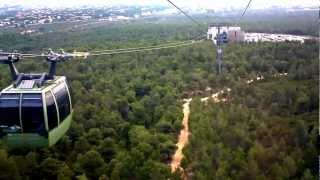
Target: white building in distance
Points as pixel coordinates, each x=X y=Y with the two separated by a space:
x=234 y=33
x=266 y=37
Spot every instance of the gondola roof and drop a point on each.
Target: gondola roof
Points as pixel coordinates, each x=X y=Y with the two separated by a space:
x=29 y=86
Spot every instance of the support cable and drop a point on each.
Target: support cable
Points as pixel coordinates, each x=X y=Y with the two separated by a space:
x=184 y=13
x=116 y=51
x=245 y=10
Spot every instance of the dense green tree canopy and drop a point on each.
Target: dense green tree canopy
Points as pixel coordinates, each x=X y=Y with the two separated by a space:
x=128 y=108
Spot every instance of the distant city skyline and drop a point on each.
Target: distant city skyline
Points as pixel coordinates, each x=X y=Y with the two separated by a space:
x=209 y=4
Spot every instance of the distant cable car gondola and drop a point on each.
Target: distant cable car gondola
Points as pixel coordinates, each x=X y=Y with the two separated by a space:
x=36 y=109
x=224 y=37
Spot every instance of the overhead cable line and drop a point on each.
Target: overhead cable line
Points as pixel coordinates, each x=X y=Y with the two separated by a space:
x=141 y=47
x=85 y=53
x=245 y=10
x=127 y=50
x=184 y=13
x=199 y=25
x=147 y=49
x=111 y=52
x=200 y=37
x=221 y=38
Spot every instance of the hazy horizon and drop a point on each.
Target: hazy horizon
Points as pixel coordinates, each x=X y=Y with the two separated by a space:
x=210 y=4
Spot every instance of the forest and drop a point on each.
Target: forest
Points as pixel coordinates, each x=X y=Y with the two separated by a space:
x=265 y=130
x=128 y=108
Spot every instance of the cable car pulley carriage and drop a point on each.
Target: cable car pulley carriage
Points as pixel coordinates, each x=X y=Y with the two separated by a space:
x=36 y=109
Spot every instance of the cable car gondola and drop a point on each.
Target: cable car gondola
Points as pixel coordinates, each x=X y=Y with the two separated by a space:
x=36 y=109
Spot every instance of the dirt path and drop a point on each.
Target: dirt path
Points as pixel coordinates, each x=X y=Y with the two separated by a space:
x=183 y=137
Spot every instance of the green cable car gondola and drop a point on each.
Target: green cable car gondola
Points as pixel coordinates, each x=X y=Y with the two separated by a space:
x=36 y=110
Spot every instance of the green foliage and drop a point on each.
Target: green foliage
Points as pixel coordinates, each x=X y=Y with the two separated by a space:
x=50 y=168
x=128 y=108
x=8 y=167
x=92 y=164
x=266 y=130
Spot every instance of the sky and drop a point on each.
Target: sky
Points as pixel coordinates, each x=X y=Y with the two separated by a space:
x=211 y=4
